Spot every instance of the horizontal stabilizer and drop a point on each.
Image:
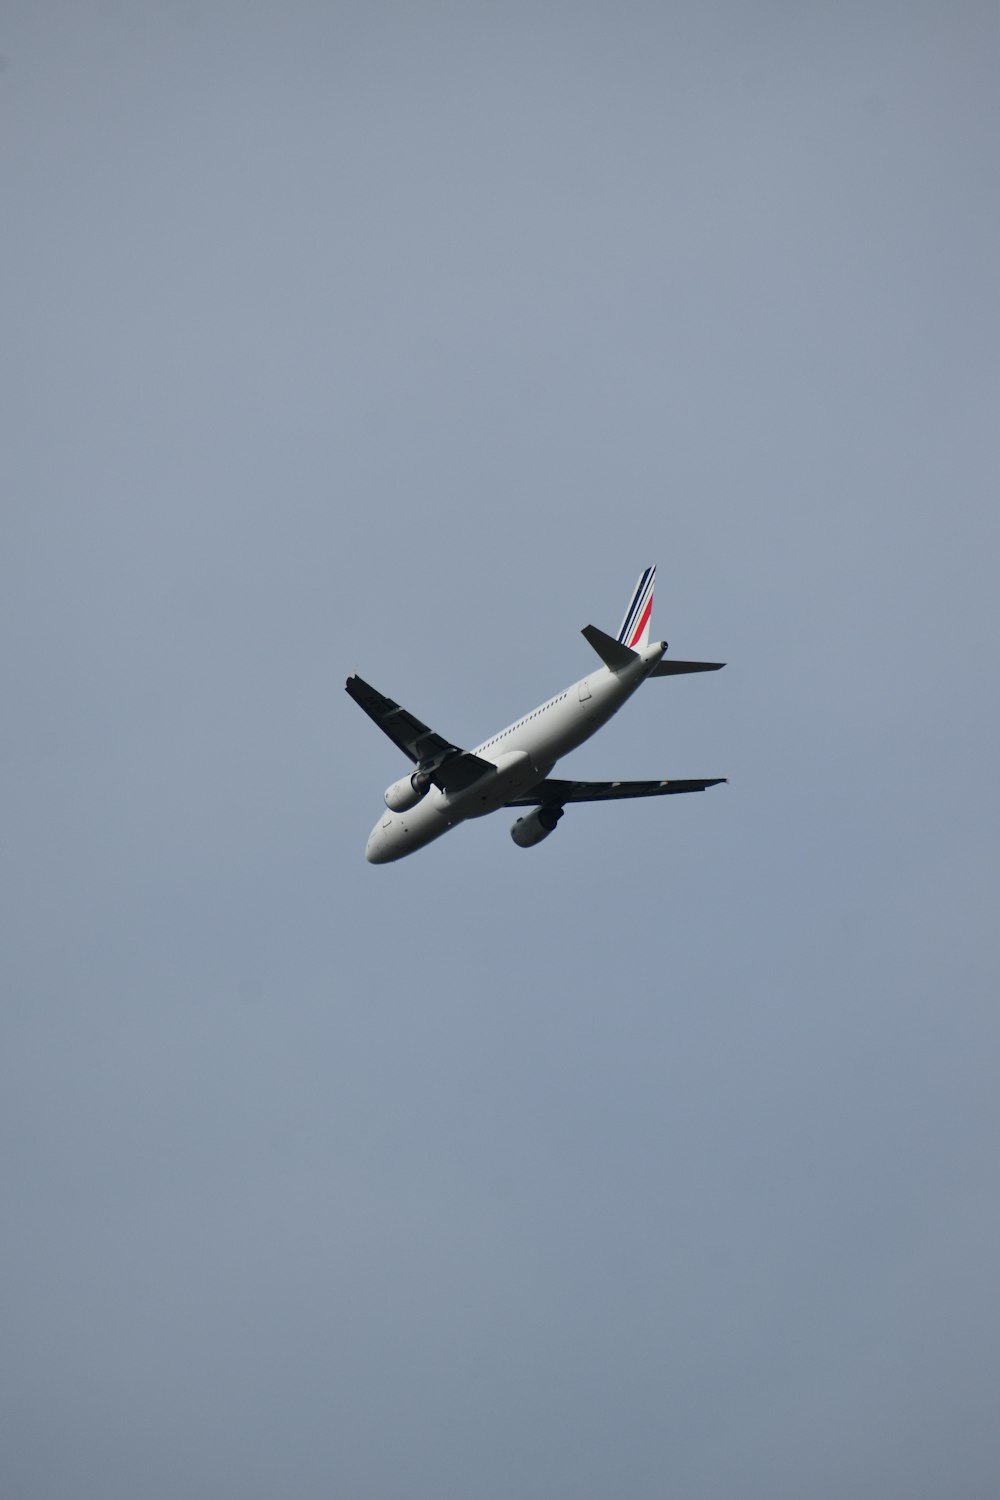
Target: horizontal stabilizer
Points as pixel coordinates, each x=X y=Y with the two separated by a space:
x=554 y=793
x=612 y=653
x=674 y=668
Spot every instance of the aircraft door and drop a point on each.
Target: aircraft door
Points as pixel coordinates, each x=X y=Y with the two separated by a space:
x=584 y=690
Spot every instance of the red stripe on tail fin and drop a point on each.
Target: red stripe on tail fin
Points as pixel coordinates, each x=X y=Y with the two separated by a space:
x=642 y=629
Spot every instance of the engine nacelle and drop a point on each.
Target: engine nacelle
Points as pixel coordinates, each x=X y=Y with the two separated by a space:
x=406 y=792
x=536 y=826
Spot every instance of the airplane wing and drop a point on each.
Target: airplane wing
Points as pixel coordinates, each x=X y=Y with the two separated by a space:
x=450 y=767
x=552 y=792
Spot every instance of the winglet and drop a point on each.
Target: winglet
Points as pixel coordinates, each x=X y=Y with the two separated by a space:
x=612 y=653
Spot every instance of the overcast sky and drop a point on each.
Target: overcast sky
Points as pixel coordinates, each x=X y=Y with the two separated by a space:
x=660 y=1159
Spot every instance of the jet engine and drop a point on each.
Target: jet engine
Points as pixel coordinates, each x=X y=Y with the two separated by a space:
x=536 y=826
x=407 y=791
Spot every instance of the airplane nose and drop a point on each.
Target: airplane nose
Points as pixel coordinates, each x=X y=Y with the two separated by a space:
x=375 y=851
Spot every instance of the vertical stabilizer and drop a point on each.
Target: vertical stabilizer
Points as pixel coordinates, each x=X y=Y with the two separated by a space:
x=635 y=626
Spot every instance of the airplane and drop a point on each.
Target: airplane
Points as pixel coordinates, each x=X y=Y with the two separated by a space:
x=512 y=768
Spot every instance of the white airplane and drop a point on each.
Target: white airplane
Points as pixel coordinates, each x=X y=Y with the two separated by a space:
x=512 y=768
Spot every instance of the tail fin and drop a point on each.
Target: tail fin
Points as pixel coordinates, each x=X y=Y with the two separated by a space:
x=635 y=626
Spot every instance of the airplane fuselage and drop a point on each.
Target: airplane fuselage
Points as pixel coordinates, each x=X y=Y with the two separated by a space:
x=521 y=755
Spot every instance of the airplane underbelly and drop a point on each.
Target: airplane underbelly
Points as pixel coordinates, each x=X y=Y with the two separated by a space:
x=516 y=773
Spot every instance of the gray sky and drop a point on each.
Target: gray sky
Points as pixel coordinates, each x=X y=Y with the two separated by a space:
x=659 y=1160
